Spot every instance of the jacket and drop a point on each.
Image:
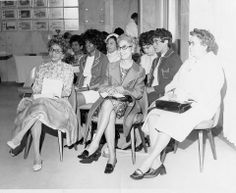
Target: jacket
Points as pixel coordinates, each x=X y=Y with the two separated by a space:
x=98 y=70
x=133 y=85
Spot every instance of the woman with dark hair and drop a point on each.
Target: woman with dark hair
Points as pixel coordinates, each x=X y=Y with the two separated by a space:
x=149 y=54
x=123 y=77
x=198 y=82
x=47 y=105
x=92 y=70
x=113 y=54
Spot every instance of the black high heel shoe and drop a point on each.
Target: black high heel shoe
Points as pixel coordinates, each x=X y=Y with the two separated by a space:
x=151 y=173
x=110 y=167
x=83 y=155
x=90 y=158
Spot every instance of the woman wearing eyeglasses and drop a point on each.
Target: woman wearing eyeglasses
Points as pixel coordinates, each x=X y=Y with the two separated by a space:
x=48 y=105
x=124 y=77
x=199 y=82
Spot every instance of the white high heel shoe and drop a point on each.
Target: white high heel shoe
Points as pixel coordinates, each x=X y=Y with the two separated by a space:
x=37 y=167
x=12 y=145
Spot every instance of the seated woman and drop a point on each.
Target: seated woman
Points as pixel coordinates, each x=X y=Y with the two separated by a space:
x=149 y=54
x=92 y=71
x=113 y=54
x=124 y=78
x=48 y=108
x=199 y=80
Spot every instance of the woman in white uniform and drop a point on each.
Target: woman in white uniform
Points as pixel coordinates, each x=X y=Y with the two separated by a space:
x=199 y=80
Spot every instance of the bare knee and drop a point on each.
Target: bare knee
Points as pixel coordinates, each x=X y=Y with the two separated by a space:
x=107 y=106
x=80 y=99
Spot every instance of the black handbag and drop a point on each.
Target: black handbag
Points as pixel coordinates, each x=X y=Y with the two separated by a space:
x=172 y=106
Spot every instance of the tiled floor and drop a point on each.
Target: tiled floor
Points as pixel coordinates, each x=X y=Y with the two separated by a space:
x=183 y=174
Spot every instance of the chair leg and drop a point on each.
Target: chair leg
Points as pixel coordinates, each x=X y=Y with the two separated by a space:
x=28 y=144
x=201 y=149
x=60 y=141
x=132 y=134
x=176 y=146
x=143 y=139
x=212 y=143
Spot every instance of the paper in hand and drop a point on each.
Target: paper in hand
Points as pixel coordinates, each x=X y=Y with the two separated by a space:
x=52 y=87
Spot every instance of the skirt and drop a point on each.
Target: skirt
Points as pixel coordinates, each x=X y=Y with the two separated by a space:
x=176 y=125
x=54 y=113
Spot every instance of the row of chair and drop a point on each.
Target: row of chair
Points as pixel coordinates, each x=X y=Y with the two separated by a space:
x=207 y=126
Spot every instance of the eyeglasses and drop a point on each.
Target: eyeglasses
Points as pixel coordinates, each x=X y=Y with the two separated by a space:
x=124 y=47
x=57 y=51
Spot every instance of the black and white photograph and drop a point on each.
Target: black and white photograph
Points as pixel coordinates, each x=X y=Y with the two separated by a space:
x=40 y=13
x=40 y=3
x=117 y=96
x=56 y=25
x=9 y=14
x=24 y=3
x=24 y=25
x=40 y=25
x=8 y=4
x=9 y=25
x=24 y=13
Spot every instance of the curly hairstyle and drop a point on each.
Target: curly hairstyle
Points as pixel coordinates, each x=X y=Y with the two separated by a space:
x=145 y=38
x=163 y=34
x=127 y=38
x=95 y=37
x=76 y=38
x=60 y=41
x=206 y=38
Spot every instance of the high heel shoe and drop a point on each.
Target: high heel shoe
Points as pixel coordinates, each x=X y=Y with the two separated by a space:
x=12 y=145
x=137 y=175
x=151 y=173
x=38 y=166
x=83 y=155
x=110 y=167
x=90 y=158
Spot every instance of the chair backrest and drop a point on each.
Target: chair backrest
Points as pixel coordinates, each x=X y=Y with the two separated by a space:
x=30 y=79
x=216 y=117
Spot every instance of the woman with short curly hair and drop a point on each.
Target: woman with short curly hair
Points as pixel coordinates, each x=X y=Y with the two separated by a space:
x=198 y=82
x=50 y=108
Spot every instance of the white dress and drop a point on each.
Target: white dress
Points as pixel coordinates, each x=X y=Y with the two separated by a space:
x=200 y=81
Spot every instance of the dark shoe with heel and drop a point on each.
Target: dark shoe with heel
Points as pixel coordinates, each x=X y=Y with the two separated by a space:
x=151 y=173
x=137 y=175
x=110 y=167
x=83 y=155
x=90 y=158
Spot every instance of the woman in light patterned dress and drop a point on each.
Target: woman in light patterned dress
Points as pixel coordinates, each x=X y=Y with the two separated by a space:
x=55 y=112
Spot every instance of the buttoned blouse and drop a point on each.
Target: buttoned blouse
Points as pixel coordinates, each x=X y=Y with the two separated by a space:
x=60 y=71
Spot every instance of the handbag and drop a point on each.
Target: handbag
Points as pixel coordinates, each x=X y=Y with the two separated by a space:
x=172 y=106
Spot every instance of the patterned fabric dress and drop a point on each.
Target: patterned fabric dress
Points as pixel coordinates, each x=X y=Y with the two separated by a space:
x=55 y=113
x=118 y=106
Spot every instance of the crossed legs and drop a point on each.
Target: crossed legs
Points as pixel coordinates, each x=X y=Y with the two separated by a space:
x=106 y=119
x=159 y=141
